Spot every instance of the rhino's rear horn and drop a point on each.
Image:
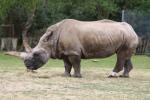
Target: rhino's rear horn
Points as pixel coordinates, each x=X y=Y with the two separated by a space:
x=26 y=45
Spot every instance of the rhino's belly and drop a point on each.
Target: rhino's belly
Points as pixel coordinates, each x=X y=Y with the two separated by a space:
x=99 y=54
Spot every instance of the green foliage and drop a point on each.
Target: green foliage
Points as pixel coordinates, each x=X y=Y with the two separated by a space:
x=105 y=8
x=16 y=12
x=143 y=5
x=6 y=5
x=51 y=11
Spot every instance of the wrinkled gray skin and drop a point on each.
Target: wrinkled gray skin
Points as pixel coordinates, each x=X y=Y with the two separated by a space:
x=73 y=40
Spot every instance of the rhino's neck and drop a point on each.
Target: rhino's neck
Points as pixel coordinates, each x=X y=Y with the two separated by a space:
x=55 y=48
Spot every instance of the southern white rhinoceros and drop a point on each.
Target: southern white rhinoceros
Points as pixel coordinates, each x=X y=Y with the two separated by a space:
x=73 y=40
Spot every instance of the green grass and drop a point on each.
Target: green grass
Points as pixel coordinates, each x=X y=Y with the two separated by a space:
x=139 y=62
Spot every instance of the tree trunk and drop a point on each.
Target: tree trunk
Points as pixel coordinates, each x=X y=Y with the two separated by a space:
x=25 y=31
x=45 y=4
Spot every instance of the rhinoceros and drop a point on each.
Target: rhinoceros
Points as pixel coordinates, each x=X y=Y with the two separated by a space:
x=72 y=40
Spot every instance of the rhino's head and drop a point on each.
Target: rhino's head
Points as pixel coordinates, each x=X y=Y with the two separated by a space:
x=36 y=59
x=41 y=53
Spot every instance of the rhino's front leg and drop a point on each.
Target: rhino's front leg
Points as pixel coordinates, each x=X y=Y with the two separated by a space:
x=67 y=66
x=75 y=61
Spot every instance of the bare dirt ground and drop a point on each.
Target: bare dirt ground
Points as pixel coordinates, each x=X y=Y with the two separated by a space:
x=51 y=85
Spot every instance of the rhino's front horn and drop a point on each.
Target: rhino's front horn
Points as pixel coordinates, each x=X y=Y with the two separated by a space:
x=21 y=55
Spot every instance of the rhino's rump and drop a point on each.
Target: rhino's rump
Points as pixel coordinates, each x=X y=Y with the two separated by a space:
x=92 y=39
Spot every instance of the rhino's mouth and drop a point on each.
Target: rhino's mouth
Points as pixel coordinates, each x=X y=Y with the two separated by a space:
x=32 y=67
x=32 y=71
x=33 y=64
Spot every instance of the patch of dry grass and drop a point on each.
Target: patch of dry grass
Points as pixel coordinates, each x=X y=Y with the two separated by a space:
x=51 y=85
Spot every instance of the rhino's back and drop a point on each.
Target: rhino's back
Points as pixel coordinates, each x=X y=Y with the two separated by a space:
x=94 y=39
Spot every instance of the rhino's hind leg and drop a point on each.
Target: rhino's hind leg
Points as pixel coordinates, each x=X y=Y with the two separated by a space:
x=127 y=68
x=75 y=61
x=119 y=65
x=68 y=67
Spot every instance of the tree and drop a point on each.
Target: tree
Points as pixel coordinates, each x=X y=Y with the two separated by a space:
x=30 y=6
x=35 y=15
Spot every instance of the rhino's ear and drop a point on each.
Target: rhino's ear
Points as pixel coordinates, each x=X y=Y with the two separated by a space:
x=48 y=36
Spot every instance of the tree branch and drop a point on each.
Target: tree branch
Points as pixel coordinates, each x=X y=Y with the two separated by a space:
x=25 y=31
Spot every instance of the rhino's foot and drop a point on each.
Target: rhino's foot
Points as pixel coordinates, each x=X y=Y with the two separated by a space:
x=124 y=76
x=113 y=75
x=77 y=76
x=67 y=74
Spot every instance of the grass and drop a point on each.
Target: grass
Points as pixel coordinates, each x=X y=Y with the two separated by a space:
x=49 y=84
x=139 y=62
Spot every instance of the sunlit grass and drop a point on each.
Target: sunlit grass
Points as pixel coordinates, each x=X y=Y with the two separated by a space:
x=48 y=84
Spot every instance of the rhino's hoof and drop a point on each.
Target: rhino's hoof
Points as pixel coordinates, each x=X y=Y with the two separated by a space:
x=67 y=75
x=77 y=76
x=124 y=76
x=113 y=75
